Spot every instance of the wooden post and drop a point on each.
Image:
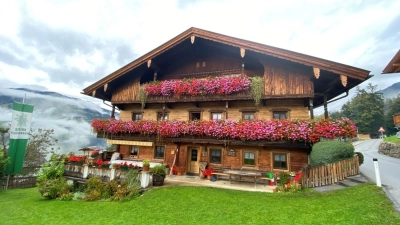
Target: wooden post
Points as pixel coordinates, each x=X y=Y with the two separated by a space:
x=326 y=107
x=311 y=104
x=113 y=112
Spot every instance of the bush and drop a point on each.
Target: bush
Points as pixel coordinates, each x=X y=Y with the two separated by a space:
x=110 y=188
x=54 y=188
x=325 y=152
x=360 y=158
x=94 y=189
x=51 y=182
x=3 y=162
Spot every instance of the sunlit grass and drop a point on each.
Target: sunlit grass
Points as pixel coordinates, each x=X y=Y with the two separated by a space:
x=363 y=204
x=392 y=139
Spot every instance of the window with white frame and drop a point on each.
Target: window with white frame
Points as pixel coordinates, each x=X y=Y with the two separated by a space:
x=215 y=155
x=249 y=159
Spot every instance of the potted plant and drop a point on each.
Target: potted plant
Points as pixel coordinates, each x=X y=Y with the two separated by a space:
x=146 y=165
x=166 y=168
x=207 y=173
x=180 y=170
x=159 y=173
x=95 y=154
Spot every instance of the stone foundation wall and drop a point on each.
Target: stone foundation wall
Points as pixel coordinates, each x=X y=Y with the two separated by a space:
x=390 y=149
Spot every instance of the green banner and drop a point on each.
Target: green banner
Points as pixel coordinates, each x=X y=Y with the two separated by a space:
x=19 y=134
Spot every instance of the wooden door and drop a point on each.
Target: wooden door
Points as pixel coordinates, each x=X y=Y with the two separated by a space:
x=193 y=160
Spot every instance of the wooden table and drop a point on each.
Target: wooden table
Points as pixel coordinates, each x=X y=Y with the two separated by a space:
x=241 y=173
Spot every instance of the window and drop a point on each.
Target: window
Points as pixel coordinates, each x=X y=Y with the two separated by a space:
x=248 y=115
x=136 y=116
x=280 y=161
x=194 y=116
x=135 y=151
x=216 y=116
x=248 y=159
x=162 y=116
x=159 y=153
x=215 y=156
x=280 y=115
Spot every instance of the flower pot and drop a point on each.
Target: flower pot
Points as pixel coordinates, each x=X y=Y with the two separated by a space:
x=158 y=180
x=145 y=168
x=208 y=177
x=271 y=183
x=179 y=173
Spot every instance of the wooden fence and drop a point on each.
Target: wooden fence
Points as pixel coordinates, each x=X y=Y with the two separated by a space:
x=330 y=173
x=18 y=182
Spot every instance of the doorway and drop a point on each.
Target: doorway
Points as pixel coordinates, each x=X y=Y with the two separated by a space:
x=193 y=160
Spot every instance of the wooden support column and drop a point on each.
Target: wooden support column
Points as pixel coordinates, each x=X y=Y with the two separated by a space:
x=326 y=106
x=113 y=112
x=311 y=105
x=226 y=112
x=155 y=76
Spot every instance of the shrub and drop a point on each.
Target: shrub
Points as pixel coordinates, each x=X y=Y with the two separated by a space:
x=3 y=162
x=360 y=157
x=50 y=181
x=54 y=188
x=110 y=189
x=325 y=152
x=94 y=189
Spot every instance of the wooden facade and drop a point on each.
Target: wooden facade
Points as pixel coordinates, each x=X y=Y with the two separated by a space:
x=292 y=88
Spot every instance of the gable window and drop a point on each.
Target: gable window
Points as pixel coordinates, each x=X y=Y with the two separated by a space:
x=135 y=151
x=162 y=116
x=280 y=115
x=280 y=161
x=216 y=116
x=215 y=155
x=194 y=116
x=159 y=152
x=136 y=116
x=248 y=115
x=248 y=159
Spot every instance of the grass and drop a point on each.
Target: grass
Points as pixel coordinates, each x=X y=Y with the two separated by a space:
x=392 y=139
x=362 y=204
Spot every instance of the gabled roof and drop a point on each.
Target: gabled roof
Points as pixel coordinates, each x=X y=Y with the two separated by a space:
x=394 y=65
x=338 y=68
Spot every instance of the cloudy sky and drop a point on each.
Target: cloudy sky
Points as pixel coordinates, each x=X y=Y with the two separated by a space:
x=65 y=46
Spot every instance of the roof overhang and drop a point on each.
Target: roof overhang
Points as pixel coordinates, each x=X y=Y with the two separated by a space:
x=394 y=65
x=334 y=67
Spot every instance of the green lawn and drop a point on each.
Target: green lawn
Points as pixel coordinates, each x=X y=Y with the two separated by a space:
x=362 y=204
x=392 y=139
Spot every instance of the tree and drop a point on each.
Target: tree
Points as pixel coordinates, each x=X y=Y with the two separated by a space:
x=392 y=108
x=41 y=142
x=366 y=109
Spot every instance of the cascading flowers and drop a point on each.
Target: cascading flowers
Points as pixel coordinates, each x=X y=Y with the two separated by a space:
x=271 y=130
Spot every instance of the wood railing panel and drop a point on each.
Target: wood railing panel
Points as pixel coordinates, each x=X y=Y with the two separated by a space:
x=330 y=173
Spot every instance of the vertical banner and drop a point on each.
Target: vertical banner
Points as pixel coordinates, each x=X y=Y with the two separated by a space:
x=19 y=134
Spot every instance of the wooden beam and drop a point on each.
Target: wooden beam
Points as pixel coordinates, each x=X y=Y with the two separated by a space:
x=396 y=64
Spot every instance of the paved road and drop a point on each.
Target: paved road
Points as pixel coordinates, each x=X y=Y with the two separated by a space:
x=388 y=167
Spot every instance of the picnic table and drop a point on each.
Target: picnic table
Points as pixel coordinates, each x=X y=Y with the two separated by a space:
x=242 y=173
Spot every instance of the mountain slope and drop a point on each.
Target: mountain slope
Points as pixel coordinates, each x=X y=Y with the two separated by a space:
x=69 y=117
x=391 y=91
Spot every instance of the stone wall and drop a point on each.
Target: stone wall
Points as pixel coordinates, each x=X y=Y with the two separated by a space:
x=390 y=149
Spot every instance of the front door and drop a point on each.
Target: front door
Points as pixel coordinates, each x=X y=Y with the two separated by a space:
x=193 y=160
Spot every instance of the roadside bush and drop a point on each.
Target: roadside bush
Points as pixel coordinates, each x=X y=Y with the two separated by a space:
x=325 y=152
x=360 y=158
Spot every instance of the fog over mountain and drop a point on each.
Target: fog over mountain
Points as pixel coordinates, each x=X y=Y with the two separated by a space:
x=69 y=117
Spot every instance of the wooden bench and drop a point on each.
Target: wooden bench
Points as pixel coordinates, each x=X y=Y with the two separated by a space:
x=219 y=171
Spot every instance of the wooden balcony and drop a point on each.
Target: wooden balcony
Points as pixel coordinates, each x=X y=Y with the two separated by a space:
x=244 y=95
x=205 y=140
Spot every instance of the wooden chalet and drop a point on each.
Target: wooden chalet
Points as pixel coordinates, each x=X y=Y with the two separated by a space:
x=293 y=85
